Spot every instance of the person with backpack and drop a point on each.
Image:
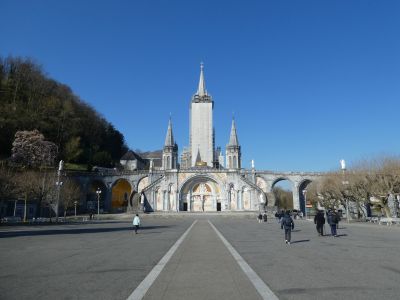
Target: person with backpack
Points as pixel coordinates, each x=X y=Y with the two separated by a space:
x=287 y=224
x=333 y=220
x=319 y=220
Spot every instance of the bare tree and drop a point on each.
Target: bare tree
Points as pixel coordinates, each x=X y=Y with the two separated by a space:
x=284 y=198
x=330 y=190
x=366 y=180
x=70 y=193
x=37 y=186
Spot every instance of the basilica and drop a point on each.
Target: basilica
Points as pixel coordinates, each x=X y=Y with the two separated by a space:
x=204 y=179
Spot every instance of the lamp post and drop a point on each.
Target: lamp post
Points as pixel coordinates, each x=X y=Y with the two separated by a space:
x=59 y=184
x=98 y=192
x=305 y=201
x=344 y=182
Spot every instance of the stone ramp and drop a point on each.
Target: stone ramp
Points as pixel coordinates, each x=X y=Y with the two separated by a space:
x=202 y=268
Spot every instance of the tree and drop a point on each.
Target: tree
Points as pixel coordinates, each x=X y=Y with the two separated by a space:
x=284 y=198
x=102 y=158
x=369 y=179
x=7 y=186
x=73 y=150
x=38 y=186
x=330 y=190
x=70 y=193
x=30 y=149
x=30 y=100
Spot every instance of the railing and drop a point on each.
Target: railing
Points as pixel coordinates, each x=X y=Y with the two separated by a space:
x=190 y=170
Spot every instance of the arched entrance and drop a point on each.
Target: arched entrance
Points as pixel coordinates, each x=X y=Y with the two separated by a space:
x=121 y=194
x=282 y=190
x=200 y=194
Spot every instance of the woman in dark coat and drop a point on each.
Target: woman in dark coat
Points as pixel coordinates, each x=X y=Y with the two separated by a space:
x=319 y=220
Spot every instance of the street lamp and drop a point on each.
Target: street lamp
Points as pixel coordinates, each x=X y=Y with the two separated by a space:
x=305 y=201
x=98 y=192
x=344 y=182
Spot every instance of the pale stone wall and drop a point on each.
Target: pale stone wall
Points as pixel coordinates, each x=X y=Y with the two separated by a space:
x=246 y=200
x=201 y=132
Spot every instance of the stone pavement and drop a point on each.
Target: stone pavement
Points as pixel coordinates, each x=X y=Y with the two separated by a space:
x=202 y=268
x=106 y=260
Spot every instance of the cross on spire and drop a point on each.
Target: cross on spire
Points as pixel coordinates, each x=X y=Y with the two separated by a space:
x=201 y=90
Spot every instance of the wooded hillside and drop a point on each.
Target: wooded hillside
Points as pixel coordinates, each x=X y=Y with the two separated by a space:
x=31 y=100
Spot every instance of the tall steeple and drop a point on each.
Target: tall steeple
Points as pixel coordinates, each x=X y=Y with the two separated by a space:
x=233 y=140
x=169 y=139
x=201 y=136
x=170 y=151
x=201 y=90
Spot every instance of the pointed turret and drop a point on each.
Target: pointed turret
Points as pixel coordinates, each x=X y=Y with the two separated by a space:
x=198 y=158
x=170 y=151
x=169 y=139
x=233 y=153
x=201 y=90
x=233 y=140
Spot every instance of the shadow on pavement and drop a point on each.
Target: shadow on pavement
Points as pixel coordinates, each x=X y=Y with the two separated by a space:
x=299 y=241
x=73 y=231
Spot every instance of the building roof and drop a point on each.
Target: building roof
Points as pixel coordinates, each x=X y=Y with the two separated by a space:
x=131 y=155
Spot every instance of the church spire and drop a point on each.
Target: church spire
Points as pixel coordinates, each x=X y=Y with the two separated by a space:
x=233 y=140
x=198 y=158
x=169 y=139
x=170 y=151
x=201 y=90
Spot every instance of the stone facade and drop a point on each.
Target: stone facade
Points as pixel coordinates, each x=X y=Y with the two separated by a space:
x=200 y=183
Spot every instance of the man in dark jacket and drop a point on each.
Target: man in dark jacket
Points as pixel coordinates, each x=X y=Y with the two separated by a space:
x=319 y=220
x=333 y=220
x=287 y=224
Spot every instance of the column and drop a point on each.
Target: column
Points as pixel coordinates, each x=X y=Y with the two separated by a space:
x=164 y=200
x=177 y=203
x=296 y=198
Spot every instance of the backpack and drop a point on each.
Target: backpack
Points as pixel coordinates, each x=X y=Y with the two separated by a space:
x=287 y=221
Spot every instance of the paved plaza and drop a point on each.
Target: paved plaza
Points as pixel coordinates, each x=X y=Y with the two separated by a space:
x=202 y=257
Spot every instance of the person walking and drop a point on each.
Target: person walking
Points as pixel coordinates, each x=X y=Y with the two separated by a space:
x=319 y=220
x=287 y=224
x=259 y=218
x=136 y=223
x=265 y=217
x=333 y=220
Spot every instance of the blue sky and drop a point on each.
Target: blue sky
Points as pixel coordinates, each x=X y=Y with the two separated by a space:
x=309 y=82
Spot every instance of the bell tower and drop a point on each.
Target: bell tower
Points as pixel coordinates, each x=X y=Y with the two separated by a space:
x=201 y=124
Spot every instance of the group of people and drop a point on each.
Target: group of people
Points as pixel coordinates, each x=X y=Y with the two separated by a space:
x=262 y=217
x=333 y=221
x=287 y=223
